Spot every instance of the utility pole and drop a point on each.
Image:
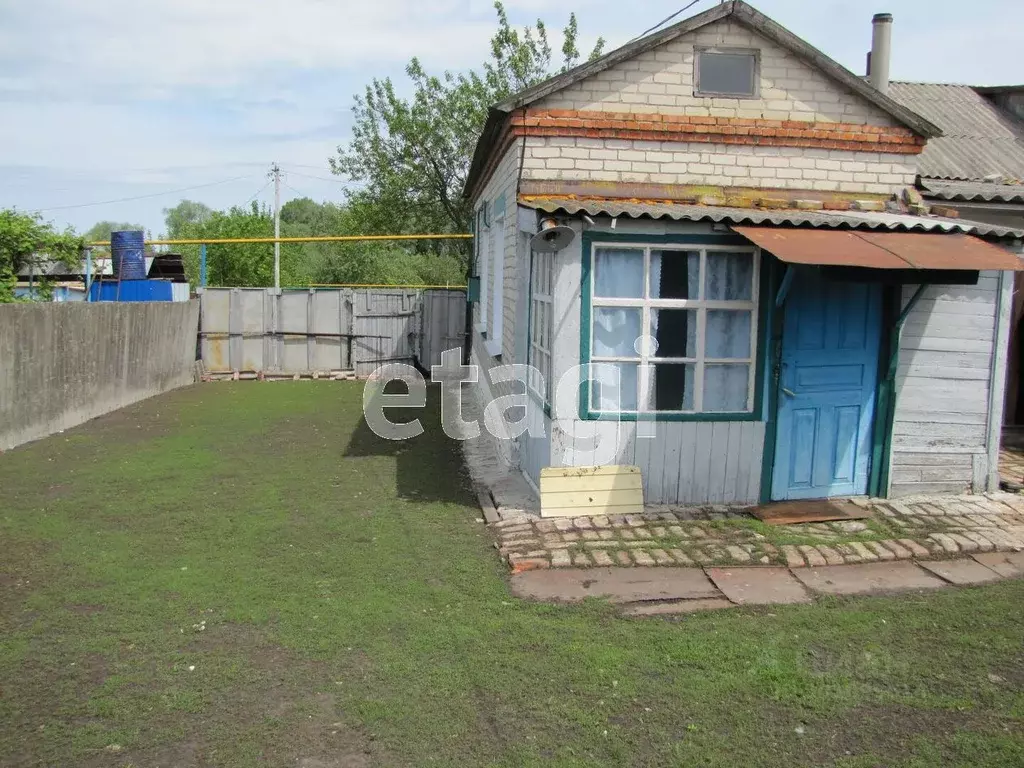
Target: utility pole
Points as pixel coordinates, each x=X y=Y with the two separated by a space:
x=275 y=171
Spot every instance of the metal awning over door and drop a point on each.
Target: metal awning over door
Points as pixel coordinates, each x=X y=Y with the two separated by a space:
x=881 y=250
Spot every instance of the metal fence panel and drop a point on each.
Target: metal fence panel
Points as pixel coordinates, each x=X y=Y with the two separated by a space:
x=304 y=331
x=384 y=328
x=443 y=325
x=214 y=312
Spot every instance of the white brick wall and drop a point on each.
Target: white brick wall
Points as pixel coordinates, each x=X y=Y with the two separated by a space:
x=738 y=165
x=662 y=80
x=504 y=181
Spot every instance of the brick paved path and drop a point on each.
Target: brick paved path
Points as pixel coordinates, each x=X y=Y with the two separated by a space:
x=918 y=528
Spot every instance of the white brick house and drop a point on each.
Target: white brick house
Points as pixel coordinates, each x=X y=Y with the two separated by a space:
x=757 y=312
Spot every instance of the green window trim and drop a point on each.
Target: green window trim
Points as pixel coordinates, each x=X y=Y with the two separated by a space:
x=586 y=412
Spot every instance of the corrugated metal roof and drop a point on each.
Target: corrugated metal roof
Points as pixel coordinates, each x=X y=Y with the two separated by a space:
x=973 y=190
x=866 y=220
x=979 y=139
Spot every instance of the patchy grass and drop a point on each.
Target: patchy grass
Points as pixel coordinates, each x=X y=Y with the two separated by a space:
x=243 y=575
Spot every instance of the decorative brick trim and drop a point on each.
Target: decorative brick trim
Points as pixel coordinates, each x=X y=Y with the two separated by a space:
x=717 y=130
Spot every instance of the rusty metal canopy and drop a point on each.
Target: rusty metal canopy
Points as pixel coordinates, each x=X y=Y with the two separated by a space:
x=881 y=250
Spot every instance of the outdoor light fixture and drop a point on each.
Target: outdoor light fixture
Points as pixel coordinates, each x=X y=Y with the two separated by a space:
x=552 y=236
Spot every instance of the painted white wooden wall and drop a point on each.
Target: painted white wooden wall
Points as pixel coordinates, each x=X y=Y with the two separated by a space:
x=944 y=389
x=535 y=445
x=681 y=462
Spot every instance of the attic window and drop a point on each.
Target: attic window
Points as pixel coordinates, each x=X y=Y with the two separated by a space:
x=727 y=72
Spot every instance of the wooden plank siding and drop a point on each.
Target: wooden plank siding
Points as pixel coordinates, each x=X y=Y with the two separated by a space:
x=685 y=462
x=940 y=429
x=535 y=444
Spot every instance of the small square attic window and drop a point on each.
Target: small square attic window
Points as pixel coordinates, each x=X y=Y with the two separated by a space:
x=727 y=72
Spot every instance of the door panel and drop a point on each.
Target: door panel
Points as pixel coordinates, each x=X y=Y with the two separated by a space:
x=827 y=381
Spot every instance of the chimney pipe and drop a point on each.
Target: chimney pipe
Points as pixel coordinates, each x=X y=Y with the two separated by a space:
x=881 y=49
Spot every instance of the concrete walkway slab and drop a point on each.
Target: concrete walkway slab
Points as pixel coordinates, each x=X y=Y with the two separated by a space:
x=961 y=572
x=759 y=585
x=675 y=607
x=866 y=578
x=1009 y=565
x=620 y=585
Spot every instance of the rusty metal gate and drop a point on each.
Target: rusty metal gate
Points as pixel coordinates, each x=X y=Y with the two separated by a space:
x=305 y=331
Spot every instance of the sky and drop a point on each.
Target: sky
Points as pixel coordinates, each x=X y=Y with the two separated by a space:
x=117 y=109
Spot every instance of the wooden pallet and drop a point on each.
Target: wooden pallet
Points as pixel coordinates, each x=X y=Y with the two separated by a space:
x=275 y=376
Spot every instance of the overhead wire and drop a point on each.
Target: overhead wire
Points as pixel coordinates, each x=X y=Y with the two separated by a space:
x=139 y=197
x=258 y=193
x=310 y=167
x=293 y=189
x=322 y=178
x=666 y=20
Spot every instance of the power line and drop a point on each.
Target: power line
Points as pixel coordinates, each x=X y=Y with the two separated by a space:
x=258 y=193
x=324 y=178
x=140 y=197
x=293 y=189
x=310 y=167
x=665 y=20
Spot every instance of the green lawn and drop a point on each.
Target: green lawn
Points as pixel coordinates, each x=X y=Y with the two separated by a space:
x=242 y=574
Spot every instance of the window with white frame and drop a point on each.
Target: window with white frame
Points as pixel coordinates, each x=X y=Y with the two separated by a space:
x=542 y=274
x=673 y=329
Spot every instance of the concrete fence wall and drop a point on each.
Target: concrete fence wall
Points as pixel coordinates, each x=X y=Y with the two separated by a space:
x=63 y=364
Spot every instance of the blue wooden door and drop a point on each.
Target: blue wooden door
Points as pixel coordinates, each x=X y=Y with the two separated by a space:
x=830 y=346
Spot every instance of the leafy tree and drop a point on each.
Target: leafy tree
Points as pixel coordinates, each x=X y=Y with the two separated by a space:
x=185 y=214
x=413 y=154
x=238 y=264
x=26 y=239
x=252 y=264
x=100 y=231
x=380 y=262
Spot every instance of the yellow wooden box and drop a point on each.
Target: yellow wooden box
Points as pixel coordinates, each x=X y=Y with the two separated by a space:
x=583 y=491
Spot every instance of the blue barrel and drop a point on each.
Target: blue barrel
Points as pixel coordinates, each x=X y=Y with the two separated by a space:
x=128 y=254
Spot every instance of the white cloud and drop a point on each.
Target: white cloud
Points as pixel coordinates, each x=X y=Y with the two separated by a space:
x=193 y=91
x=151 y=48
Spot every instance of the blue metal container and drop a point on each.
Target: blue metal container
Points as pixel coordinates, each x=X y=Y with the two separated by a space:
x=128 y=254
x=131 y=290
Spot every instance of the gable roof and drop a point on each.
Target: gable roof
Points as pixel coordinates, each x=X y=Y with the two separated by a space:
x=979 y=139
x=737 y=10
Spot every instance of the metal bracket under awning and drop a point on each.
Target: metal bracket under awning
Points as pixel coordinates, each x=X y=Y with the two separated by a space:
x=785 y=285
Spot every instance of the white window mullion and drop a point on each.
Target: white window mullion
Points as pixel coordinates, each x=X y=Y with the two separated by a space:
x=755 y=290
x=698 y=374
x=541 y=331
